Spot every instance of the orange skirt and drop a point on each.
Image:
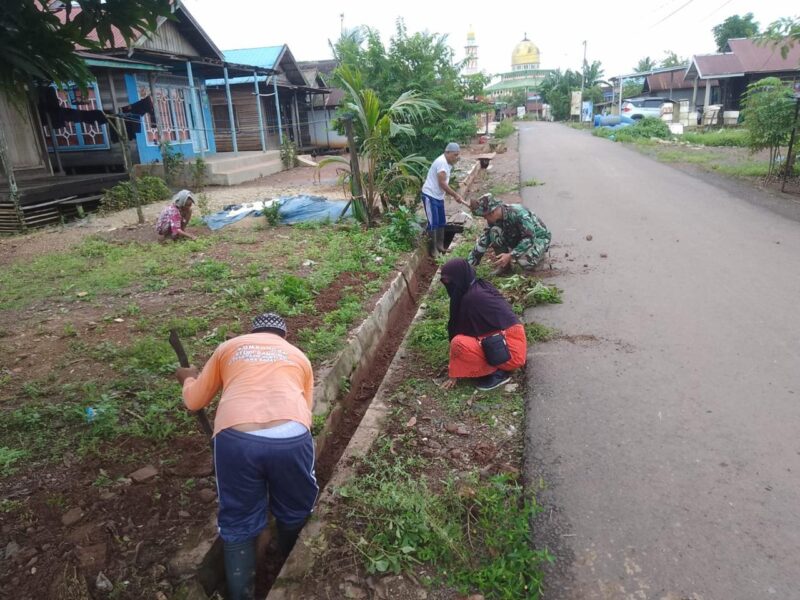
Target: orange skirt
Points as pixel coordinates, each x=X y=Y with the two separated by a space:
x=467 y=358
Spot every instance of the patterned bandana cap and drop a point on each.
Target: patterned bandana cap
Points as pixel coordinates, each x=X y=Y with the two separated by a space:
x=269 y=321
x=485 y=204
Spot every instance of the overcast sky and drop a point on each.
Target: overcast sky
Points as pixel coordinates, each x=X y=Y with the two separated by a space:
x=618 y=36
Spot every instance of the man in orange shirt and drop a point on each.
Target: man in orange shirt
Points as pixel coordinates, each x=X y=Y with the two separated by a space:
x=263 y=449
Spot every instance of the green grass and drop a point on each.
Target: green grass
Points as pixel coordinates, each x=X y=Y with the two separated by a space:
x=531 y=183
x=8 y=458
x=428 y=337
x=684 y=155
x=723 y=137
x=748 y=169
x=139 y=398
x=503 y=188
x=475 y=532
x=536 y=332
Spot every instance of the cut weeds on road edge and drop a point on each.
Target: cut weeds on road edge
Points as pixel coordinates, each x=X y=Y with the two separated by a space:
x=453 y=519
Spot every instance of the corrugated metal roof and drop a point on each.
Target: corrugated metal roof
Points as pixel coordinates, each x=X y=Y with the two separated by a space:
x=265 y=57
x=755 y=58
x=113 y=62
x=335 y=98
x=235 y=80
x=718 y=65
x=186 y=23
x=510 y=84
x=673 y=79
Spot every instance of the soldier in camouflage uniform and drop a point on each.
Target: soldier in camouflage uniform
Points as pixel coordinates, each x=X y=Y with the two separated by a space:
x=514 y=232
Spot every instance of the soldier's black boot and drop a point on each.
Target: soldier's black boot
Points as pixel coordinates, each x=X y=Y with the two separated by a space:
x=287 y=536
x=240 y=569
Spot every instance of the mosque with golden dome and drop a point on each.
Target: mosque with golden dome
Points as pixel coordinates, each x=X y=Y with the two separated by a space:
x=525 y=74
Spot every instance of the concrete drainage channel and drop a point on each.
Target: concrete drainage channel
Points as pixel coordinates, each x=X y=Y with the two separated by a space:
x=300 y=563
x=349 y=392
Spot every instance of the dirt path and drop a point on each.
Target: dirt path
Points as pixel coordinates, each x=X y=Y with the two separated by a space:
x=301 y=180
x=663 y=420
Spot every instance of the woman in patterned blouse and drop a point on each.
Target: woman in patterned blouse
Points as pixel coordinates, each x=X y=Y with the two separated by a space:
x=173 y=219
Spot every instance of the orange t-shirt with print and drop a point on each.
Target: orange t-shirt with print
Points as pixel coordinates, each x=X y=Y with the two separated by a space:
x=263 y=378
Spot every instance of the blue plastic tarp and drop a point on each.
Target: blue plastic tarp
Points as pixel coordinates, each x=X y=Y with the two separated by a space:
x=612 y=120
x=293 y=209
x=298 y=209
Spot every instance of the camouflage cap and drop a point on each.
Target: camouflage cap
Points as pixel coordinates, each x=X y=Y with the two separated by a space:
x=484 y=205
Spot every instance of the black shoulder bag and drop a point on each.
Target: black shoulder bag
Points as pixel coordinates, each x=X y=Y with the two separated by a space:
x=495 y=349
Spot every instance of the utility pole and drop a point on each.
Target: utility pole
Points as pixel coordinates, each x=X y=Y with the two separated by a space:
x=341 y=23
x=583 y=81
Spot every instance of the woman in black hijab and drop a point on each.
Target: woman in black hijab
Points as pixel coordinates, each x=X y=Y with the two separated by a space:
x=477 y=311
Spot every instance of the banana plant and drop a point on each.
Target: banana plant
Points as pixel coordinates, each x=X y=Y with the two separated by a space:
x=384 y=173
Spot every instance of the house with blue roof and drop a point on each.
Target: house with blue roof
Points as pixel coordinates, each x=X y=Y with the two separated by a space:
x=63 y=151
x=259 y=111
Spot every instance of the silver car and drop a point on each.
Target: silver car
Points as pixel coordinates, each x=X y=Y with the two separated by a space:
x=639 y=108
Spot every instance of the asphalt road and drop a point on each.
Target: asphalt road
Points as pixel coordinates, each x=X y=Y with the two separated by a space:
x=663 y=422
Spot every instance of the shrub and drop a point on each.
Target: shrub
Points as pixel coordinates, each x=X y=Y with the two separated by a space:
x=402 y=230
x=288 y=153
x=151 y=189
x=504 y=129
x=769 y=116
x=174 y=167
x=272 y=213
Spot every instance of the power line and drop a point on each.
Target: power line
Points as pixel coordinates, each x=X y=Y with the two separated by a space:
x=716 y=10
x=681 y=7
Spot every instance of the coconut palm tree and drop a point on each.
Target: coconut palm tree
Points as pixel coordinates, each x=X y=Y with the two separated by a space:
x=384 y=173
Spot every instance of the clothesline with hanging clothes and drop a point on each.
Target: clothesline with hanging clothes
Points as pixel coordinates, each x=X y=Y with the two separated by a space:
x=59 y=116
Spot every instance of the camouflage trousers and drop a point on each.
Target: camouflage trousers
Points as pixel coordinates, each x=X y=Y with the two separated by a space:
x=530 y=258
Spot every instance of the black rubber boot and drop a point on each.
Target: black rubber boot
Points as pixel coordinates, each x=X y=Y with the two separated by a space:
x=240 y=569
x=440 y=241
x=433 y=251
x=287 y=536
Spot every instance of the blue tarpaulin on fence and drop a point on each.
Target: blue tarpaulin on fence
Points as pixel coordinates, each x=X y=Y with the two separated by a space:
x=293 y=209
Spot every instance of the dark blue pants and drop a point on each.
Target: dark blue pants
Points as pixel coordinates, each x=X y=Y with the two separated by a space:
x=434 y=211
x=256 y=473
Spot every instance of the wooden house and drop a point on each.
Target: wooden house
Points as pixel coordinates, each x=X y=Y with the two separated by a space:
x=743 y=62
x=323 y=107
x=266 y=107
x=52 y=170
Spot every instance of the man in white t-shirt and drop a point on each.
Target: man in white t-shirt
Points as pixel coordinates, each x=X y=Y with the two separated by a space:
x=434 y=189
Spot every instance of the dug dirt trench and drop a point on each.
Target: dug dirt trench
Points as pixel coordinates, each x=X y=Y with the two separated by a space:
x=374 y=345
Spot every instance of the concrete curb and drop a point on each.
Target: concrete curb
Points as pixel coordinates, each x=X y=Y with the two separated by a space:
x=363 y=342
x=312 y=539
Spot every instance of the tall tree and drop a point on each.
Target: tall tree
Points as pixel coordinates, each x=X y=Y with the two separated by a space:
x=385 y=173
x=632 y=88
x=645 y=64
x=555 y=90
x=38 y=39
x=672 y=60
x=784 y=33
x=734 y=26
x=423 y=62
x=592 y=73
